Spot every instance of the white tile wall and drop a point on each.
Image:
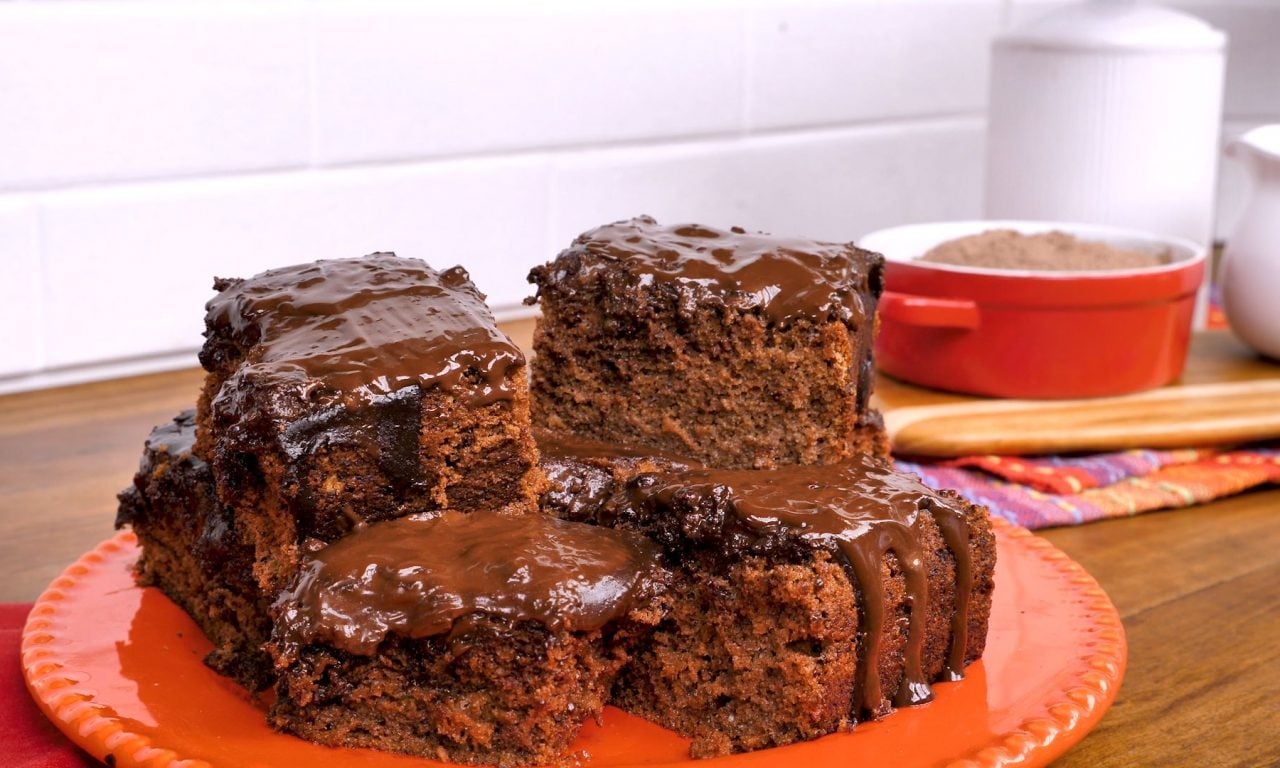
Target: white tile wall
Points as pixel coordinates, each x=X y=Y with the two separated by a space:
x=401 y=79
x=97 y=91
x=844 y=185
x=171 y=239
x=831 y=184
x=1253 y=62
x=817 y=64
x=146 y=146
x=21 y=307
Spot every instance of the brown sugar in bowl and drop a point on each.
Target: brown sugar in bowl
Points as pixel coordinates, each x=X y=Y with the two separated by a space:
x=1043 y=334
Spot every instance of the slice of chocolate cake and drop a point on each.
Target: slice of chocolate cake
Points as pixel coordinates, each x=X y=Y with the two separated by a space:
x=804 y=599
x=481 y=638
x=193 y=553
x=359 y=390
x=736 y=349
x=583 y=474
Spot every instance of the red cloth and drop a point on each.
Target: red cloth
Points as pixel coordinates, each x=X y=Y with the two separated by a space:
x=27 y=738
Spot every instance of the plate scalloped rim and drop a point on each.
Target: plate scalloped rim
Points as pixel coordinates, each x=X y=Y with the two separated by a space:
x=57 y=689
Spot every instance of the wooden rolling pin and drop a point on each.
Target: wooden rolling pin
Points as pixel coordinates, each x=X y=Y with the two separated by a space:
x=1173 y=417
x=1227 y=395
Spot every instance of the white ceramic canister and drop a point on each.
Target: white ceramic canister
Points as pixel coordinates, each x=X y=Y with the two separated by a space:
x=1108 y=112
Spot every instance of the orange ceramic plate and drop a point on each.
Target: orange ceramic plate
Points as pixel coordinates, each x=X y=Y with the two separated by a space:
x=118 y=669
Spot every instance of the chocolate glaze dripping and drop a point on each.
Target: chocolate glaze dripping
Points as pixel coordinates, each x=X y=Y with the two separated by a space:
x=865 y=556
x=955 y=532
x=867 y=513
x=862 y=509
x=785 y=278
x=419 y=577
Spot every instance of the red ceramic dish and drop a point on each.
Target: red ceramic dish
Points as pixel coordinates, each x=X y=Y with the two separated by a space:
x=118 y=669
x=1017 y=333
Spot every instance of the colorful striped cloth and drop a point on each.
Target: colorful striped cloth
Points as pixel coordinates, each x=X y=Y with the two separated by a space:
x=1046 y=491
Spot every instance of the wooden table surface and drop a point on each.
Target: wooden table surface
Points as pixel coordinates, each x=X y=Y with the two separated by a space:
x=1198 y=589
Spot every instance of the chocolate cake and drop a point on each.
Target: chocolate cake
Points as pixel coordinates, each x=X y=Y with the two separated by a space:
x=193 y=553
x=481 y=638
x=736 y=349
x=804 y=599
x=358 y=390
x=583 y=474
x=358 y=510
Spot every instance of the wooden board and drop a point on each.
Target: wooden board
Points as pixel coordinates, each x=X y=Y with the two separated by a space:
x=1227 y=394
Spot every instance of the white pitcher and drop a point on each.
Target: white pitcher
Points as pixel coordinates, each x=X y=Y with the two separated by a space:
x=1251 y=261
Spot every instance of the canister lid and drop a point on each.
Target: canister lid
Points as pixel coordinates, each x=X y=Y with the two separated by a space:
x=1116 y=25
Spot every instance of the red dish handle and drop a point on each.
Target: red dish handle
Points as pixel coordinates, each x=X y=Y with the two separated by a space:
x=928 y=311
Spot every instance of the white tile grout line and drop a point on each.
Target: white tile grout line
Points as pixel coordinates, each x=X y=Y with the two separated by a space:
x=113 y=369
x=815 y=132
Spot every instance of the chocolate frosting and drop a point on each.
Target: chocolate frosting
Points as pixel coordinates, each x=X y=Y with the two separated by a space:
x=362 y=329
x=583 y=473
x=416 y=578
x=168 y=446
x=175 y=437
x=861 y=511
x=175 y=487
x=783 y=278
x=954 y=525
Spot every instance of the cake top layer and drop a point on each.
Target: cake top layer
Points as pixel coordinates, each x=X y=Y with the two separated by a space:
x=584 y=473
x=784 y=278
x=174 y=438
x=167 y=455
x=836 y=504
x=363 y=328
x=416 y=577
